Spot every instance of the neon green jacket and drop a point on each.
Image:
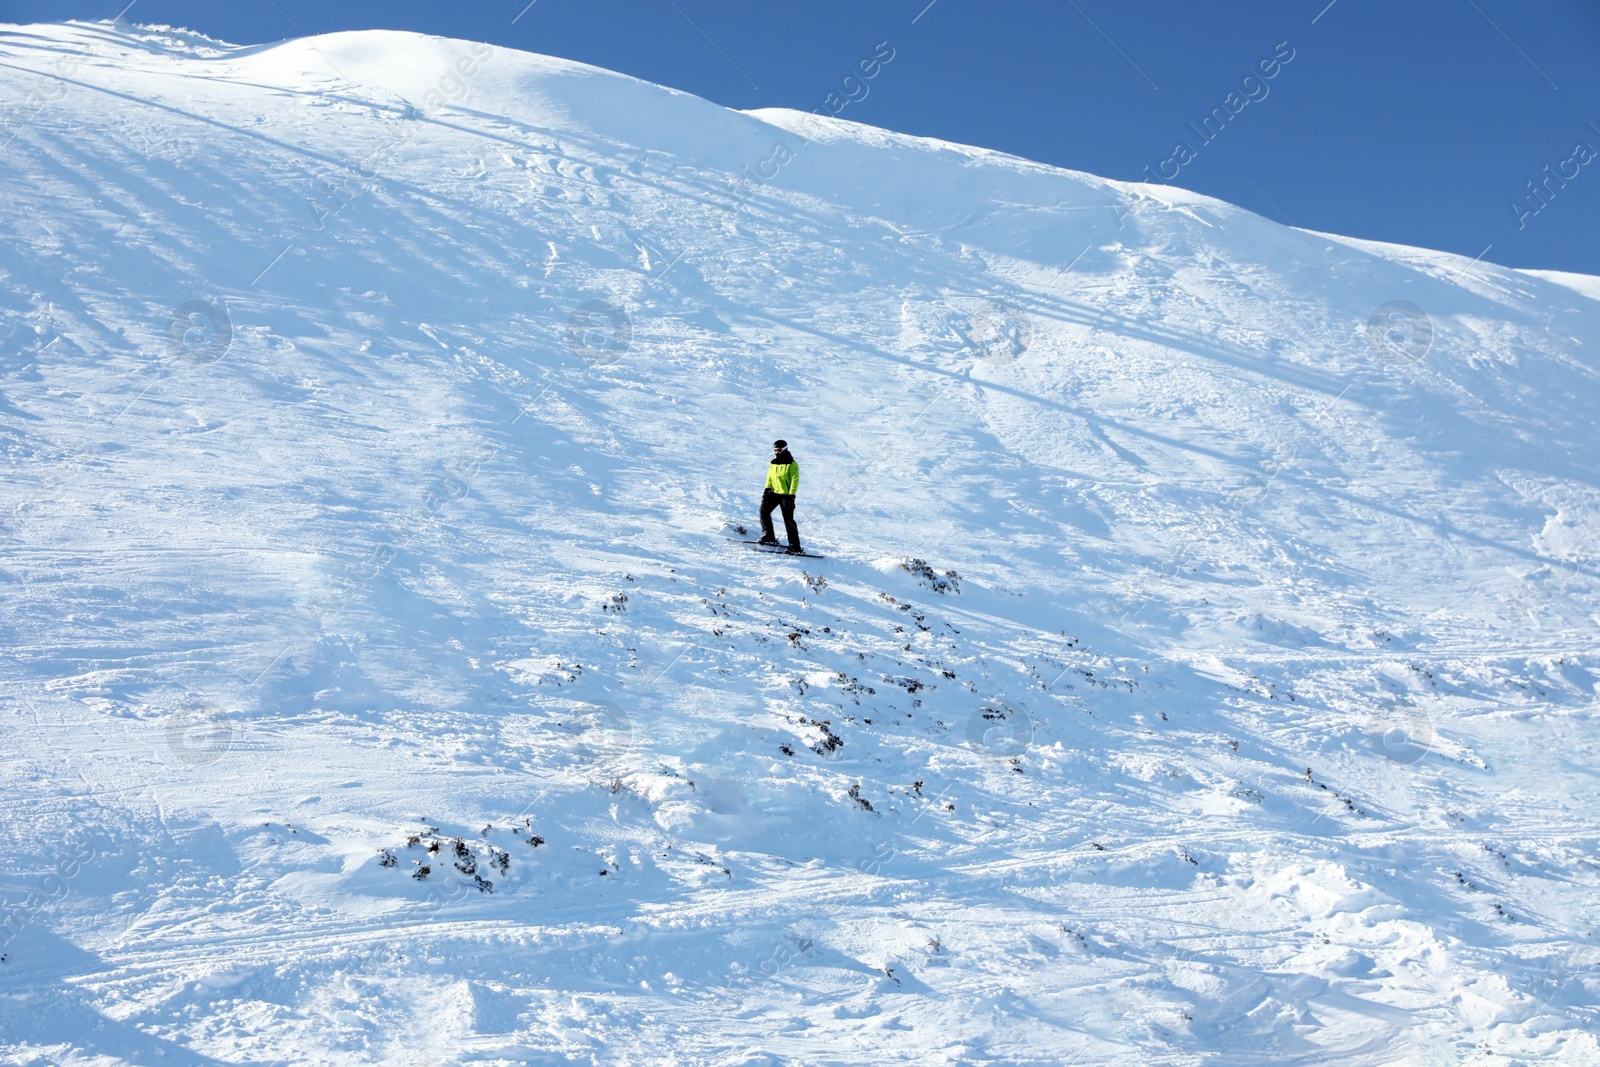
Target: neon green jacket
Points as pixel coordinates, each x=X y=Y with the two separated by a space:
x=784 y=478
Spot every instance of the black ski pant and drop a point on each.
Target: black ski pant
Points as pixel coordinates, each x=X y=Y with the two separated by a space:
x=785 y=501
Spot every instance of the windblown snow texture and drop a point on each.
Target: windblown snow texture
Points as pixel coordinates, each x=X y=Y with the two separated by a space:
x=1203 y=669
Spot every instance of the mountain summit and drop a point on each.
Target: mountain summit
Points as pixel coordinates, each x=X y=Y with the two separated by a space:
x=1203 y=667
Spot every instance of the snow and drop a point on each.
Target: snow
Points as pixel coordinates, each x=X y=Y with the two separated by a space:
x=1586 y=284
x=1203 y=668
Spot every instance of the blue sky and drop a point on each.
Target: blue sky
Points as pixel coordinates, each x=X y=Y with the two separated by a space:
x=1418 y=122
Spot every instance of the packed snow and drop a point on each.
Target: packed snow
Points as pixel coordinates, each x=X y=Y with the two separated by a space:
x=1202 y=668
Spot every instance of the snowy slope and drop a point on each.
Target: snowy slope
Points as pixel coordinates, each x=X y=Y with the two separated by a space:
x=376 y=409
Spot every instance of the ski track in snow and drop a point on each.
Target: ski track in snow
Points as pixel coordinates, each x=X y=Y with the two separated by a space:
x=1251 y=721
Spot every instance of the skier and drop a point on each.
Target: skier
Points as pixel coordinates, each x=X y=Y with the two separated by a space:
x=783 y=480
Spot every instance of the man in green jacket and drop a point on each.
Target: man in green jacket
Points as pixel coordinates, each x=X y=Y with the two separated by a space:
x=783 y=481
